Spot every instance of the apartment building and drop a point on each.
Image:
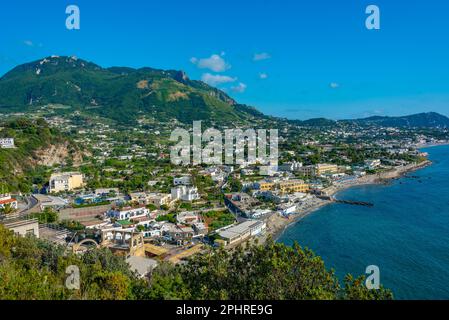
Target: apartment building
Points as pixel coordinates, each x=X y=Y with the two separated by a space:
x=128 y=213
x=22 y=227
x=242 y=231
x=307 y=171
x=185 y=193
x=291 y=186
x=324 y=168
x=66 y=181
x=182 y=181
x=287 y=186
x=265 y=185
x=372 y=164
x=159 y=199
x=290 y=166
x=240 y=203
x=138 y=197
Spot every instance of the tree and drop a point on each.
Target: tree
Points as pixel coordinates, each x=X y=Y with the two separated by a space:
x=257 y=272
x=151 y=207
x=48 y=216
x=234 y=185
x=7 y=209
x=6 y=242
x=31 y=268
x=356 y=290
x=186 y=206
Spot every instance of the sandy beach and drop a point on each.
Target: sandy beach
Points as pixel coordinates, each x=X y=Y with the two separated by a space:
x=276 y=224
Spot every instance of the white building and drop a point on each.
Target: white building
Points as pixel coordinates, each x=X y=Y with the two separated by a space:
x=359 y=173
x=6 y=199
x=66 y=181
x=290 y=166
x=258 y=213
x=182 y=181
x=270 y=170
x=185 y=193
x=187 y=218
x=22 y=227
x=247 y=172
x=200 y=229
x=128 y=213
x=242 y=231
x=287 y=209
x=372 y=164
x=46 y=201
x=7 y=143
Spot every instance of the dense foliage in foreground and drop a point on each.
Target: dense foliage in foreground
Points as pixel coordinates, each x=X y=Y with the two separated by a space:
x=35 y=269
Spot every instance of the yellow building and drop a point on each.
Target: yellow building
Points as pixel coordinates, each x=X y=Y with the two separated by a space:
x=288 y=186
x=159 y=199
x=266 y=185
x=294 y=186
x=326 y=169
x=67 y=181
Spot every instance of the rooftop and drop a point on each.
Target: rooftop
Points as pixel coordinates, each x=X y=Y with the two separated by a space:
x=7 y=201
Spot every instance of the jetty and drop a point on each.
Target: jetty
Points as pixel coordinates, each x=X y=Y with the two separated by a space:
x=350 y=202
x=354 y=203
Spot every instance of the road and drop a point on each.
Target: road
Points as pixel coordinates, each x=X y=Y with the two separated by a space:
x=31 y=204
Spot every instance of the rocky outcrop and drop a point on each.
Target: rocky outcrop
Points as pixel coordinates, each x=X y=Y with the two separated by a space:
x=58 y=154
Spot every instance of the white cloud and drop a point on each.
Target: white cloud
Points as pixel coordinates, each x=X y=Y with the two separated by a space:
x=261 y=56
x=30 y=43
x=240 y=88
x=263 y=75
x=334 y=85
x=215 y=79
x=215 y=63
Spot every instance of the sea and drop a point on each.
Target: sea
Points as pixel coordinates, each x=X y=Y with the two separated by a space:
x=405 y=233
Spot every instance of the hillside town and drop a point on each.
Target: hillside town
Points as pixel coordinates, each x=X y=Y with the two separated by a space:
x=125 y=194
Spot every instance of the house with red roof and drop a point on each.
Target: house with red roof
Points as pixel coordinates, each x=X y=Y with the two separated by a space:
x=6 y=199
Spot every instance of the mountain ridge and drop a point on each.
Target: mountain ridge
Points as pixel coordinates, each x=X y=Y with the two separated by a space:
x=418 y=120
x=120 y=93
x=423 y=120
x=124 y=94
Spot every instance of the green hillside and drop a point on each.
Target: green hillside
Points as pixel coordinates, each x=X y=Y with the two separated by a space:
x=118 y=93
x=19 y=167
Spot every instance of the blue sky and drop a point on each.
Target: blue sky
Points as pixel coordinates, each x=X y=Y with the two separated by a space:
x=313 y=58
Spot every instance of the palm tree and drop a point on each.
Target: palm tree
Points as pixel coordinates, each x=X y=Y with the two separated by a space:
x=7 y=209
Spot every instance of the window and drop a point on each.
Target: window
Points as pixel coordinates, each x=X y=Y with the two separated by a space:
x=30 y=232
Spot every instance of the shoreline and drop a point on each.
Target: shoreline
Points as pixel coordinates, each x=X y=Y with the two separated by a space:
x=276 y=224
x=431 y=145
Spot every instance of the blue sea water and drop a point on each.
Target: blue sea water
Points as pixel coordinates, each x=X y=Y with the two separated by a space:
x=406 y=233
